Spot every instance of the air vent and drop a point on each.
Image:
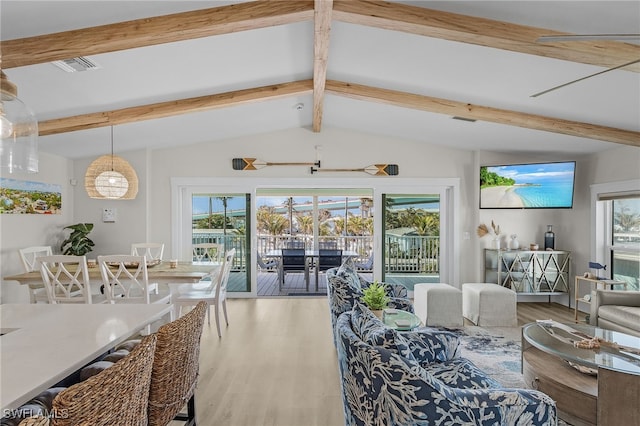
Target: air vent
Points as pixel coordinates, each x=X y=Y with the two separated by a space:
x=76 y=64
x=470 y=120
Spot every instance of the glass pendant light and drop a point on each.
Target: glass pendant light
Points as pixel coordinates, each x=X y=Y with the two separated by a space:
x=18 y=131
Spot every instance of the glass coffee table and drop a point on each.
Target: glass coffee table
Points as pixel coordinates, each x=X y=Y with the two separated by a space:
x=400 y=320
x=591 y=385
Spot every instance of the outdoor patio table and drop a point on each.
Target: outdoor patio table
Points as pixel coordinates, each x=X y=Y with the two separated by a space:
x=312 y=254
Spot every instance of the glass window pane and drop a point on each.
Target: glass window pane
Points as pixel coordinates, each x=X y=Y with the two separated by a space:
x=625 y=244
x=222 y=219
x=339 y=219
x=411 y=238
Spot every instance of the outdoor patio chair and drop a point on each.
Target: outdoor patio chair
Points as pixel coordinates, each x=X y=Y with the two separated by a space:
x=269 y=265
x=294 y=260
x=328 y=245
x=366 y=265
x=295 y=245
x=327 y=259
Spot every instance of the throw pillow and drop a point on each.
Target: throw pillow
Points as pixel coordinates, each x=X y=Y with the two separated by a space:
x=374 y=332
x=348 y=272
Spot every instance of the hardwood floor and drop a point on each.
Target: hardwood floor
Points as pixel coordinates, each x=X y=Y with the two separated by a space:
x=276 y=364
x=529 y=312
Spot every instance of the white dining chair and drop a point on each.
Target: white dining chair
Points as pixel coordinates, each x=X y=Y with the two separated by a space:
x=208 y=252
x=28 y=256
x=66 y=279
x=126 y=280
x=215 y=293
x=153 y=251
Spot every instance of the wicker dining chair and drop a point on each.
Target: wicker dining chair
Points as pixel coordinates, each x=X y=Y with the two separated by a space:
x=175 y=369
x=119 y=395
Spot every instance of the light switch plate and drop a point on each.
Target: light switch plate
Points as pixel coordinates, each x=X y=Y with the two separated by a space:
x=109 y=215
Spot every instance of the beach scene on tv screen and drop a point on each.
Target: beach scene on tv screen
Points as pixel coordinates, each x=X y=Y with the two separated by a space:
x=548 y=185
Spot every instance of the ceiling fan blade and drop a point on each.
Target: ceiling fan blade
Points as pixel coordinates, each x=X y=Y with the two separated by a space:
x=588 y=37
x=584 y=78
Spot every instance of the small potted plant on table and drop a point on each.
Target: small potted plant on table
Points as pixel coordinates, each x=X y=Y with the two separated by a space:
x=375 y=298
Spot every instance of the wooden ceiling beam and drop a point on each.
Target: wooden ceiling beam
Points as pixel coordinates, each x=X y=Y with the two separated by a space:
x=260 y=14
x=153 y=31
x=477 y=112
x=482 y=32
x=171 y=108
x=349 y=90
x=321 y=33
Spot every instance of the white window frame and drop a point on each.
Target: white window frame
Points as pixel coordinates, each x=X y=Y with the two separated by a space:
x=447 y=188
x=602 y=219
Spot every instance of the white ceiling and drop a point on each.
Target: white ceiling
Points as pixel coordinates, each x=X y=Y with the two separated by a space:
x=357 y=54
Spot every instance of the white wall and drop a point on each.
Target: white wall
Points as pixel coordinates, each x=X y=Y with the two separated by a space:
x=571 y=226
x=132 y=215
x=148 y=217
x=340 y=149
x=18 y=231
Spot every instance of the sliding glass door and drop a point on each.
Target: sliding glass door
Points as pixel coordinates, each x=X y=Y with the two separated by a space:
x=340 y=219
x=224 y=219
x=411 y=238
x=365 y=218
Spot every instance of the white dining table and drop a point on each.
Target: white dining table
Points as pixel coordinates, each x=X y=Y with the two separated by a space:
x=41 y=344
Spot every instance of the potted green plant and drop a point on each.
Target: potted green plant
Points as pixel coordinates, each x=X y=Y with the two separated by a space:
x=78 y=243
x=375 y=298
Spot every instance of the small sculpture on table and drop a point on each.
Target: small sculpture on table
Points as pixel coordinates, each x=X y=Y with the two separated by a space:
x=597 y=267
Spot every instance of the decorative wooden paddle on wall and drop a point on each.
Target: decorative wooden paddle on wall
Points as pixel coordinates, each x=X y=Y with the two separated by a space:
x=255 y=164
x=374 y=169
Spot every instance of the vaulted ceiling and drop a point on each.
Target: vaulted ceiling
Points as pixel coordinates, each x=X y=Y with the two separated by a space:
x=184 y=72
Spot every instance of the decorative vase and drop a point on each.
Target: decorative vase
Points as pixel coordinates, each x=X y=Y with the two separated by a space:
x=514 y=244
x=549 y=238
x=496 y=243
x=378 y=313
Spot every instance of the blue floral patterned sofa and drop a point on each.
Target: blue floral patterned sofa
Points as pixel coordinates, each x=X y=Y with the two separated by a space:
x=417 y=378
x=344 y=288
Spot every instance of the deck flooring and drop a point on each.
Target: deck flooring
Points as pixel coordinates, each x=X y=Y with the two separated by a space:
x=294 y=284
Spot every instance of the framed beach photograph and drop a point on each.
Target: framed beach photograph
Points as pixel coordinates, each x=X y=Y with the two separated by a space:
x=528 y=186
x=27 y=197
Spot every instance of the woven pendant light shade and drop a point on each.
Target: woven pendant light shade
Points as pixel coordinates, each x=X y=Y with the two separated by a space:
x=111 y=177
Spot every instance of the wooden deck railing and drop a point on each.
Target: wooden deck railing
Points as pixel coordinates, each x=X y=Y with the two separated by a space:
x=406 y=254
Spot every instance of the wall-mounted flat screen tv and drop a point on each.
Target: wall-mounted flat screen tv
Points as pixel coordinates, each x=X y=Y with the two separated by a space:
x=527 y=186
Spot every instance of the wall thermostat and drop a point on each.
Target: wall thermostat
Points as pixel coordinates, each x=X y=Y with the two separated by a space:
x=109 y=215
